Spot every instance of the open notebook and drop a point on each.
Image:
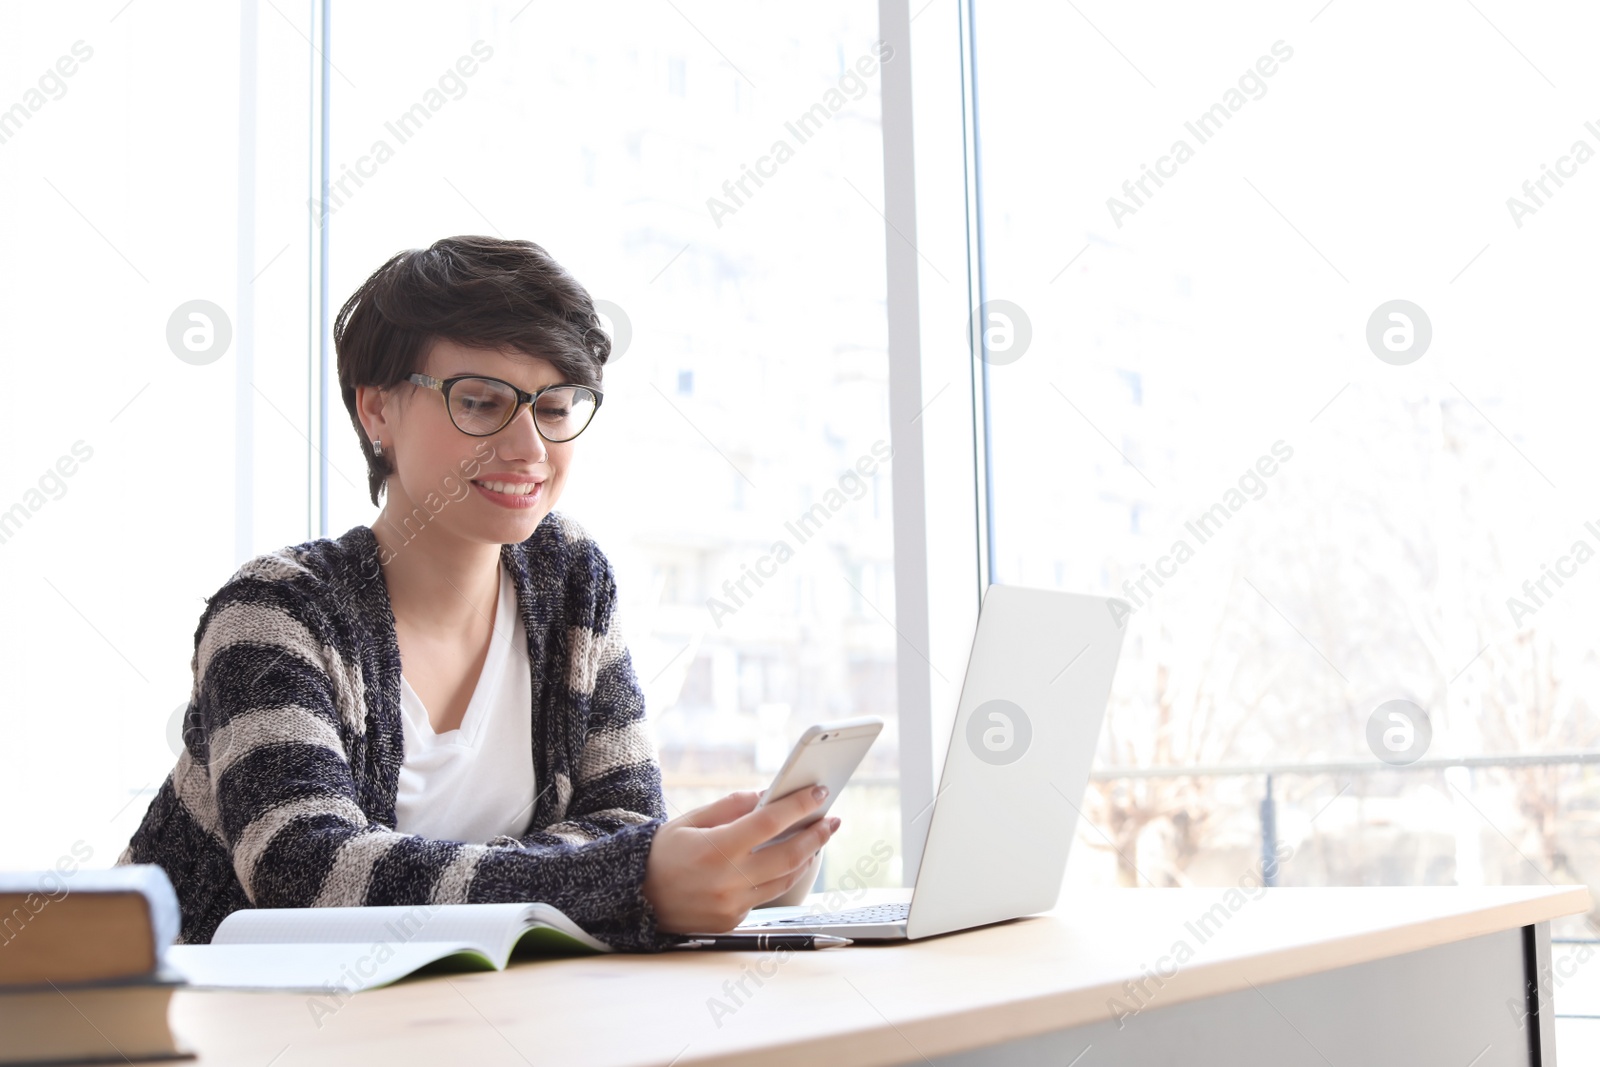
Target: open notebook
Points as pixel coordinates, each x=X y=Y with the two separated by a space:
x=350 y=949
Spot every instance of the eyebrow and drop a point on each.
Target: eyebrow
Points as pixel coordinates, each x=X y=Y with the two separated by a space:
x=496 y=377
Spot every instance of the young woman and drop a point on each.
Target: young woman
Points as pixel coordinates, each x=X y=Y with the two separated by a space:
x=439 y=708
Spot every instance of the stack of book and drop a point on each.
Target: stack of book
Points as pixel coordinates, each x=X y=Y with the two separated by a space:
x=83 y=974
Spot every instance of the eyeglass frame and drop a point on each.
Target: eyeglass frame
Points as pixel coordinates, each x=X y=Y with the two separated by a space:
x=442 y=386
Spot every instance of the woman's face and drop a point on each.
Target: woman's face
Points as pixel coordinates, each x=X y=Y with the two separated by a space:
x=442 y=475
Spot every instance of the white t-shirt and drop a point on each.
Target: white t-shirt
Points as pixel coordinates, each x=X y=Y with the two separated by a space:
x=476 y=782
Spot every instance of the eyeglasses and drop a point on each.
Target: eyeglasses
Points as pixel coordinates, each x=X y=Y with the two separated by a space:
x=481 y=406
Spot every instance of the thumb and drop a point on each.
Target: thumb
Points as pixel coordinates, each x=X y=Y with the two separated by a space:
x=724 y=810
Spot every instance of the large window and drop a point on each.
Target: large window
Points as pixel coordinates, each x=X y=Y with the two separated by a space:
x=154 y=292
x=716 y=184
x=1293 y=357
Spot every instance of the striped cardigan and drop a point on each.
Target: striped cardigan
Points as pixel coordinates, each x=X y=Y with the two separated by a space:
x=284 y=794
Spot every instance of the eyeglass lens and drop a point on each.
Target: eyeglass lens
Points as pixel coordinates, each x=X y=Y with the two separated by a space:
x=482 y=406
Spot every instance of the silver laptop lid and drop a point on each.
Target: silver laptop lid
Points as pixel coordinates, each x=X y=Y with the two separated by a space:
x=1025 y=734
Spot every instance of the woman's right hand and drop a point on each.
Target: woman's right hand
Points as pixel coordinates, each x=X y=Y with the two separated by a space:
x=703 y=875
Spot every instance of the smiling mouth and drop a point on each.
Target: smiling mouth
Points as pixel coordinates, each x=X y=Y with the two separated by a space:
x=510 y=488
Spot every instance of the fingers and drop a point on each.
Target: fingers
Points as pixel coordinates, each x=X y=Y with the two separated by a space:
x=695 y=885
x=722 y=811
x=784 y=859
x=769 y=892
x=762 y=824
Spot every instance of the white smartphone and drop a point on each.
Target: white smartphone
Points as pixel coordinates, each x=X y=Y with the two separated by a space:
x=827 y=753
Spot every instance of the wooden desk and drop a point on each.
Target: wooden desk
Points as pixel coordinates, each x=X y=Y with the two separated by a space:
x=1362 y=976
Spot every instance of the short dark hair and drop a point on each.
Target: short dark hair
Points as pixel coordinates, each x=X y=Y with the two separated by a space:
x=484 y=292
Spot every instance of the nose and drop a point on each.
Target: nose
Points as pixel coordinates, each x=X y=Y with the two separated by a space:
x=521 y=436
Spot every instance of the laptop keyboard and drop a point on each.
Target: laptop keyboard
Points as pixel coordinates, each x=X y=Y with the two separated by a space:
x=871 y=913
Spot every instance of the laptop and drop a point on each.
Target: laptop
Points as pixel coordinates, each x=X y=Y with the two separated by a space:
x=1006 y=809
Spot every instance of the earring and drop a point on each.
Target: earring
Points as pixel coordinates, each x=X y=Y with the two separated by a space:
x=377 y=447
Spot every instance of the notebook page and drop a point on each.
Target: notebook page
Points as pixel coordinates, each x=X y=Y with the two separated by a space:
x=328 y=967
x=487 y=927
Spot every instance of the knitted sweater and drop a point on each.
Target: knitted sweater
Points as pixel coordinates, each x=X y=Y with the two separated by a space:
x=284 y=795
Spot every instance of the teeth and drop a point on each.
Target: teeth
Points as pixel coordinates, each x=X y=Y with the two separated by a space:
x=522 y=489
